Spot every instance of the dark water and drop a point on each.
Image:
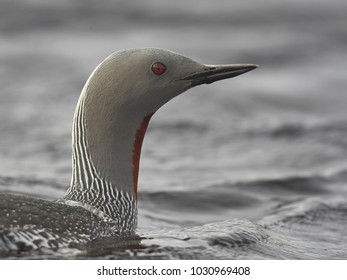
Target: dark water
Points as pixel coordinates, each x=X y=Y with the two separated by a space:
x=251 y=168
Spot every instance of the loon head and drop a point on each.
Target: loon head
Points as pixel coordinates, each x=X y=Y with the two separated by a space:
x=112 y=116
x=143 y=80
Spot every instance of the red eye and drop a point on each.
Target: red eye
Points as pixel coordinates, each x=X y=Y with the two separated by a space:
x=158 y=68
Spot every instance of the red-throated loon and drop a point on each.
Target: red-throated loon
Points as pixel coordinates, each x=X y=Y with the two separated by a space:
x=109 y=124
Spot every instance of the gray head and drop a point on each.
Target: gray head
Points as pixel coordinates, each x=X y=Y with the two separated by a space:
x=143 y=80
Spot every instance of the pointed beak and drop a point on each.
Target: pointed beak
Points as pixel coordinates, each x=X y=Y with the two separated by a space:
x=213 y=73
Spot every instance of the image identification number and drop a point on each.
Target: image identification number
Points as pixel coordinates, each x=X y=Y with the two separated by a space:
x=237 y=270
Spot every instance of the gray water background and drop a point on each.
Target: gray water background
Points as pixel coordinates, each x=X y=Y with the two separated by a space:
x=250 y=168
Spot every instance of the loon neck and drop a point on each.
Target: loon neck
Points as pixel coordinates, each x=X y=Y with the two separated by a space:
x=106 y=147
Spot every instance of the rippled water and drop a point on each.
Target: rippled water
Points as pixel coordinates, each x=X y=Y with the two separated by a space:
x=250 y=168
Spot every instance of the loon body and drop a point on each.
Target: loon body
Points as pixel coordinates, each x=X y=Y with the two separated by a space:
x=31 y=223
x=110 y=121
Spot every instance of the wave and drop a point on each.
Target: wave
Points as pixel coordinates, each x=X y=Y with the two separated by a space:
x=291 y=129
x=43 y=188
x=308 y=229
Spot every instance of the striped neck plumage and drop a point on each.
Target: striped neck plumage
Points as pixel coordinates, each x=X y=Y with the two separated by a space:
x=91 y=186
